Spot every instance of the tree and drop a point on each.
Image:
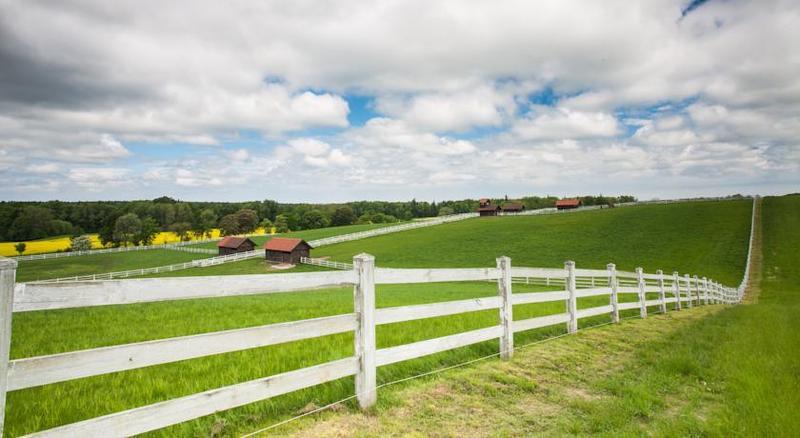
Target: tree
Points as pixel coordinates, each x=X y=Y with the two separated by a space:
x=81 y=243
x=20 y=247
x=229 y=225
x=444 y=211
x=148 y=232
x=31 y=223
x=126 y=228
x=248 y=220
x=314 y=219
x=266 y=224
x=343 y=216
x=183 y=212
x=205 y=223
x=282 y=223
x=181 y=229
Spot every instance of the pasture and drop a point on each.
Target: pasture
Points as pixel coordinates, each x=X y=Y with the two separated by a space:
x=716 y=249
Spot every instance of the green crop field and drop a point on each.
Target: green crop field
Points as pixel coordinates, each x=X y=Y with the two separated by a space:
x=717 y=248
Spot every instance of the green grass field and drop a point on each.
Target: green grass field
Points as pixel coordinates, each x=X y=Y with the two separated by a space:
x=47 y=332
x=101 y=263
x=712 y=371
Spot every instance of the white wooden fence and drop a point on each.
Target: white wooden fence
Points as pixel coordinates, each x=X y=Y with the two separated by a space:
x=325 y=263
x=571 y=284
x=391 y=229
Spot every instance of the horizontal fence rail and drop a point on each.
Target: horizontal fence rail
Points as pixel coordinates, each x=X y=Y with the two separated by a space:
x=654 y=292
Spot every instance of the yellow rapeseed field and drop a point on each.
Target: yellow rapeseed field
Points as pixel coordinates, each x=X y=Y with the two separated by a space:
x=62 y=243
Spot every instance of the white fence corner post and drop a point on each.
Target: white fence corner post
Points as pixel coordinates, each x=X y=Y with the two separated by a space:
x=614 y=285
x=364 y=295
x=676 y=289
x=688 y=290
x=642 y=297
x=572 y=297
x=705 y=291
x=506 y=309
x=8 y=274
x=662 y=294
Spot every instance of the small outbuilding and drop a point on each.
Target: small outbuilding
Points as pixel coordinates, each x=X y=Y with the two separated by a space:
x=513 y=207
x=488 y=210
x=566 y=204
x=285 y=250
x=233 y=245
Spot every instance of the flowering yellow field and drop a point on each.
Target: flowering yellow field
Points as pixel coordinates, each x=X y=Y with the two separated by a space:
x=62 y=243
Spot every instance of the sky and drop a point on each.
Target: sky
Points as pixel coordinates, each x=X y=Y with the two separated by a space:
x=312 y=101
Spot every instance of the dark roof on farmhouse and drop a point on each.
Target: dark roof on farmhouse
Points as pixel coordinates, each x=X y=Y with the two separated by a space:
x=488 y=207
x=283 y=244
x=233 y=242
x=568 y=202
x=513 y=206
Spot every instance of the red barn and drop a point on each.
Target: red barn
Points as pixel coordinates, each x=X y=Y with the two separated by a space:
x=566 y=204
x=285 y=250
x=233 y=245
x=488 y=210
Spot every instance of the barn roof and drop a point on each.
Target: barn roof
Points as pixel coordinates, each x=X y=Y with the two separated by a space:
x=489 y=207
x=513 y=206
x=284 y=244
x=568 y=202
x=233 y=242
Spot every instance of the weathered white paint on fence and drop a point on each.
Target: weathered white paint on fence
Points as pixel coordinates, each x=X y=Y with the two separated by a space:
x=594 y=311
x=364 y=292
x=43 y=370
x=539 y=297
x=402 y=276
x=400 y=353
x=102 y=293
x=572 y=299
x=594 y=292
x=541 y=321
x=662 y=293
x=159 y=415
x=506 y=313
x=676 y=290
x=8 y=273
x=420 y=311
x=613 y=284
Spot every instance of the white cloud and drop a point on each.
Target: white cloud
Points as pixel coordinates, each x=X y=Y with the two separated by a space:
x=557 y=123
x=97 y=178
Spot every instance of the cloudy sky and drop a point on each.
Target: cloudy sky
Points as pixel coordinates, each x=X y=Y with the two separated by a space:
x=333 y=101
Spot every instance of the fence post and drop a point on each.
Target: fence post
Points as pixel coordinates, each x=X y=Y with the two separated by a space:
x=697 y=289
x=713 y=290
x=8 y=273
x=364 y=294
x=572 y=299
x=662 y=294
x=642 y=298
x=506 y=314
x=688 y=291
x=676 y=289
x=705 y=291
x=612 y=282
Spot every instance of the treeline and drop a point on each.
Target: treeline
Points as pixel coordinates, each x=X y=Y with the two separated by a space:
x=138 y=222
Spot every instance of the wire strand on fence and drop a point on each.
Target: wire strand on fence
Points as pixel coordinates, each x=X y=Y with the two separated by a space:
x=425 y=374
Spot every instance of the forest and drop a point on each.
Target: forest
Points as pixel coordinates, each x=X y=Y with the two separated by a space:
x=136 y=222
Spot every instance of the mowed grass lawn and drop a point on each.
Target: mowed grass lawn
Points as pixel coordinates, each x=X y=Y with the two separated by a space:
x=48 y=332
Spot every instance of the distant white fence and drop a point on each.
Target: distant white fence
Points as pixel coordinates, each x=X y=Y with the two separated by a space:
x=391 y=229
x=325 y=263
x=664 y=290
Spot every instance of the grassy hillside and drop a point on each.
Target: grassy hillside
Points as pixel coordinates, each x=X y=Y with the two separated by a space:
x=47 y=332
x=711 y=371
x=707 y=238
